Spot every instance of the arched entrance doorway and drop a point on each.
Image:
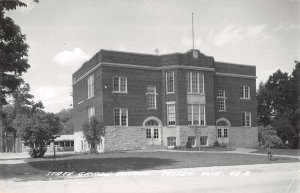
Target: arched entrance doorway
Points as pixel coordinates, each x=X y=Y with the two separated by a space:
x=223 y=126
x=153 y=131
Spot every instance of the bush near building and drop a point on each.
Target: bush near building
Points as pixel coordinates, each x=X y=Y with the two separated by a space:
x=267 y=136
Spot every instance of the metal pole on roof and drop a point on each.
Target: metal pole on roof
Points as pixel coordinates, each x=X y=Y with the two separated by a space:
x=193 y=29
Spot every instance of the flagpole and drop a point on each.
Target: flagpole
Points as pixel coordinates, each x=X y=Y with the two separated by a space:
x=193 y=28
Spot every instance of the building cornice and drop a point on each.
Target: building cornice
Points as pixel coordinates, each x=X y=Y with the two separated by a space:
x=120 y=65
x=236 y=75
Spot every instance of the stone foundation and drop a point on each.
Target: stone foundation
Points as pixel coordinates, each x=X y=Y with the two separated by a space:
x=243 y=137
x=134 y=137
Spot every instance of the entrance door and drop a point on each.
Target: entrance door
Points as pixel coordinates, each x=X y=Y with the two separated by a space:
x=153 y=136
x=222 y=135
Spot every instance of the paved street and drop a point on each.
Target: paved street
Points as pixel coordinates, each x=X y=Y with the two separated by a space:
x=272 y=178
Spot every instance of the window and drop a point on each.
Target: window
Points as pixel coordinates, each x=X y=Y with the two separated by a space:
x=244 y=92
x=155 y=136
x=170 y=82
x=225 y=132
x=171 y=114
x=221 y=94
x=219 y=133
x=91 y=86
x=121 y=117
x=171 y=141
x=151 y=123
x=195 y=82
x=192 y=140
x=119 y=84
x=246 y=119
x=221 y=99
x=91 y=112
x=151 y=97
x=148 y=133
x=203 y=141
x=221 y=104
x=196 y=114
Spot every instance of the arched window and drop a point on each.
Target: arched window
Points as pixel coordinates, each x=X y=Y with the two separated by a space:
x=152 y=123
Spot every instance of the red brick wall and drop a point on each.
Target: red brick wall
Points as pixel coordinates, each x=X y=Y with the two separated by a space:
x=135 y=101
x=235 y=105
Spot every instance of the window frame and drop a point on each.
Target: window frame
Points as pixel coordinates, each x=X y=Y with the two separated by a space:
x=201 y=107
x=120 y=116
x=148 y=133
x=190 y=85
x=154 y=94
x=194 y=139
x=118 y=90
x=155 y=133
x=206 y=140
x=168 y=113
x=91 y=86
x=173 y=82
x=244 y=116
x=171 y=141
x=243 y=87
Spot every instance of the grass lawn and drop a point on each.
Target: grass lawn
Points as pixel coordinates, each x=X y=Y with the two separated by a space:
x=36 y=169
x=293 y=152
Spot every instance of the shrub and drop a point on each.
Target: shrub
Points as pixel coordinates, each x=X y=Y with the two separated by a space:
x=216 y=144
x=268 y=137
x=37 y=152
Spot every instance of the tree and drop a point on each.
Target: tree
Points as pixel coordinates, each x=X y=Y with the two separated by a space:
x=279 y=98
x=13 y=55
x=263 y=105
x=93 y=132
x=39 y=131
x=66 y=120
x=285 y=130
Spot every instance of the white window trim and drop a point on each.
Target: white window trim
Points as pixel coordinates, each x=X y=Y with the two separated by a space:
x=172 y=146
x=250 y=119
x=222 y=98
x=120 y=117
x=92 y=91
x=171 y=103
x=195 y=141
x=198 y=83
x=207 y=141
x=199 y=115
x=119 y=85
x=155 y=100
x=173 y=82
x=244 y=93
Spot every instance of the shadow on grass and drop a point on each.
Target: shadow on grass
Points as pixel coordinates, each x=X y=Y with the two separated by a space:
x=37 y=170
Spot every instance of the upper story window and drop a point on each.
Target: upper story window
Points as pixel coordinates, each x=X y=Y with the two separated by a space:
x=119 y=84
x=195 y=82
x=151 y=97
x=221 y=98
x=196 y=114
x=91 y=112
x=91 y=86
x=246 y=119
x=171 y=114
x=170 y=82
x=121 y=117
x=244 y=92
x=221 y=94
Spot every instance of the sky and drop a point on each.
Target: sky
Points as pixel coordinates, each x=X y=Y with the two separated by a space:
x=62 y=34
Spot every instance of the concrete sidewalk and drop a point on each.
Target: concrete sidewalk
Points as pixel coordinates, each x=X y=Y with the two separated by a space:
x=238 y=150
